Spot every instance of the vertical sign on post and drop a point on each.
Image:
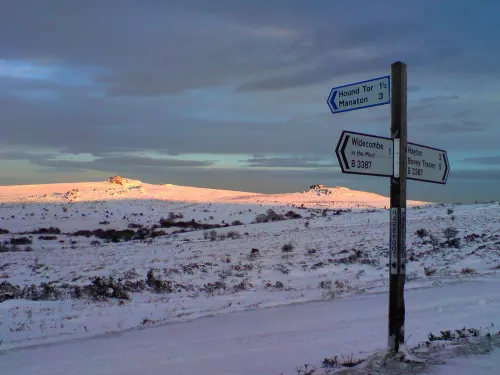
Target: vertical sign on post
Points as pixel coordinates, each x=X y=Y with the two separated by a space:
x=402 y=264
x=393 y=242
x=398 y=205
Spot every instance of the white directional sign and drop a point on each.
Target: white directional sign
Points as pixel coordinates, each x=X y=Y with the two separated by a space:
x=427 y=164
x=359 y=153
x=360 y=95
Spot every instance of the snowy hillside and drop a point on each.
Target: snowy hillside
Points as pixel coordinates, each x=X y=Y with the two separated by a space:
x=84 y=259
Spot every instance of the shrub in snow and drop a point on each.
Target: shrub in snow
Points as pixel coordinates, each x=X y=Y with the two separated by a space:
x=279 y=285
x=236 y=222
x=355 y=257
x=47 y=238
x=142 y=234
x=211 y=288
x=326 y=284
x=46 y=292
x=311 y=251
x=242 y=286
x=472 y=237
x=134 y=226
x=287 y=248
x=115 y=235
x=158 y=233
x=51 y=230
x=306 y=224
x=157 y=284
x=349 y=361
x=454 y=242
x=76 y=292
x=293 y=215
x=434 y=241
x=9 y=291
x=20 y=241
x=261 y=218
x=254 y=253
x=422 y=233
x=103 y=288
x=212 y=235
x=468 y=270
x=273 y=215
x=4 y=231
x=464 y=333
x=233 y=234
x=450 y=233
x=4 y=248
x=429 y=271
x=281 y=268
x=193 y=224
x=306 y=370
x=317 y=265
x=173 y=216
x=134 y=286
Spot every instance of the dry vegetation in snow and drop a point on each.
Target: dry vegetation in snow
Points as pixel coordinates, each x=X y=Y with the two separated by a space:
x=83 y=259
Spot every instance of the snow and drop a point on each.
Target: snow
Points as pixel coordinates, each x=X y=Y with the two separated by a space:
x=277 y=310
x=262 y=341
x=485 y=364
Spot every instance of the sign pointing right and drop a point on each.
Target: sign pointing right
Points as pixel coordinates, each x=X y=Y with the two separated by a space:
x=427 y=164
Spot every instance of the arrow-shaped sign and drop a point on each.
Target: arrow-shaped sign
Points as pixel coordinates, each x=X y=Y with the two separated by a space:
x=364 y=94
x=365 y=154
x=427 y=164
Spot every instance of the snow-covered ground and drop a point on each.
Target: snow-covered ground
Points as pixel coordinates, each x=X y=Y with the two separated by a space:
x=263 y=341
x=335 y=252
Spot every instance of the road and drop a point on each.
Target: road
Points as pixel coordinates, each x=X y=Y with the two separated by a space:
x=266 y=341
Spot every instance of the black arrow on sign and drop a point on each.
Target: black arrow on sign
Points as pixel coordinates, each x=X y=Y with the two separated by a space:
x=342 y=152
x=446 y=167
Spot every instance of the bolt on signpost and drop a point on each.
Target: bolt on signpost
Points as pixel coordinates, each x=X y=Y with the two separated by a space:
x=394 y=157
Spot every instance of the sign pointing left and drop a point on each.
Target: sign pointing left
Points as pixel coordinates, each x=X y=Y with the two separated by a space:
x=364 y=94
x=366 y=154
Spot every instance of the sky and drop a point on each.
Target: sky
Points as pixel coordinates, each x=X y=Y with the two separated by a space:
x=232 y=94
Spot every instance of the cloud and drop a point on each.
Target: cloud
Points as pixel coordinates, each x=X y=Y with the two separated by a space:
x=19 y=155
x=148 y=48
x=310 y=162
x=462 y=126
x=221 y=77
x=112 y=162
x=492 y=175
x=105 y=163
x=487 y=160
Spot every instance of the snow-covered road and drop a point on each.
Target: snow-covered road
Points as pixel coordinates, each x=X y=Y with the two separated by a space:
x=265 y=341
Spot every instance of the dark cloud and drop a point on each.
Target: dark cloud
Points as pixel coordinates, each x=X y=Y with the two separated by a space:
x=492 y=175
x=460 y=126
x=310 y=162
x=223 y=76
x=150 y=48
x=106 y=163
x=487 y=160
x=19 y=155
